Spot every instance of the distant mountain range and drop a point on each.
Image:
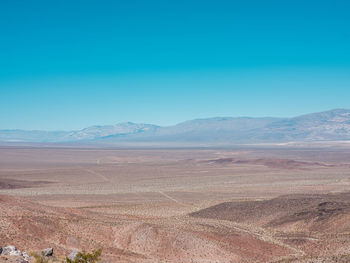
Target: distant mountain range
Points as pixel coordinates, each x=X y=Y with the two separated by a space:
x=323 y=126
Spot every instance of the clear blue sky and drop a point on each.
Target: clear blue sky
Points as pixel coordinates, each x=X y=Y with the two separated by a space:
x=70 y=64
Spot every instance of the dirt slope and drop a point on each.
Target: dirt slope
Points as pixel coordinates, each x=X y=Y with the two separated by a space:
x=125 y=239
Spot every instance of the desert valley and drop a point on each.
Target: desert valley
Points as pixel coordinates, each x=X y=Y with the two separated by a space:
x=175 y=131
x=272 y=203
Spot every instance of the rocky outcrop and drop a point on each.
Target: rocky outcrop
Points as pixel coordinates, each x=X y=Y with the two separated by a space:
x=25 y=255
x=14 y=253
x=48 y=252
x=11 y=251
x=22 y=257
x=73 y=255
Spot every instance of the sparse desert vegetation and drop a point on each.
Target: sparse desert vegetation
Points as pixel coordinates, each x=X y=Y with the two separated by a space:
x=244 y=205
x=85 y=257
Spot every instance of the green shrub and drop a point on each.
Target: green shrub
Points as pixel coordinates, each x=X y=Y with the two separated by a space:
x=39 y=258
x=83 y=257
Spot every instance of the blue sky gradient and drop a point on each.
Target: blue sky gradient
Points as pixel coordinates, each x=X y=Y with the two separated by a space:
x=71 y=64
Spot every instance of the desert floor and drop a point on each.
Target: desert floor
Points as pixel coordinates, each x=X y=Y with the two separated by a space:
x=240 y=204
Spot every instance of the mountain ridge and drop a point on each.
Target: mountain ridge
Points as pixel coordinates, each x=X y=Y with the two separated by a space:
x=328 y=125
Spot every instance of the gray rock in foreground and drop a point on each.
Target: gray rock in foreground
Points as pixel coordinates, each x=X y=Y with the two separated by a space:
x=25 y=255
x=48 y=252
x=73 y=255
x=12 y=251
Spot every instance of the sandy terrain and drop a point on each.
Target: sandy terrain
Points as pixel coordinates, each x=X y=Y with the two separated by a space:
x=251 y=204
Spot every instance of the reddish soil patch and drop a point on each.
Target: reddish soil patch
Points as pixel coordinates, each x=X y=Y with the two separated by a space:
x=33 y=226
x=17 y=184
x=316 y=212
x=269 y=162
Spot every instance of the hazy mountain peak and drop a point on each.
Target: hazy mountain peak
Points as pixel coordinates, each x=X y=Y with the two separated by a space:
x=329 y=125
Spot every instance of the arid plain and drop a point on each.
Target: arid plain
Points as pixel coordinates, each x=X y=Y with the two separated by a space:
x=241 y=204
